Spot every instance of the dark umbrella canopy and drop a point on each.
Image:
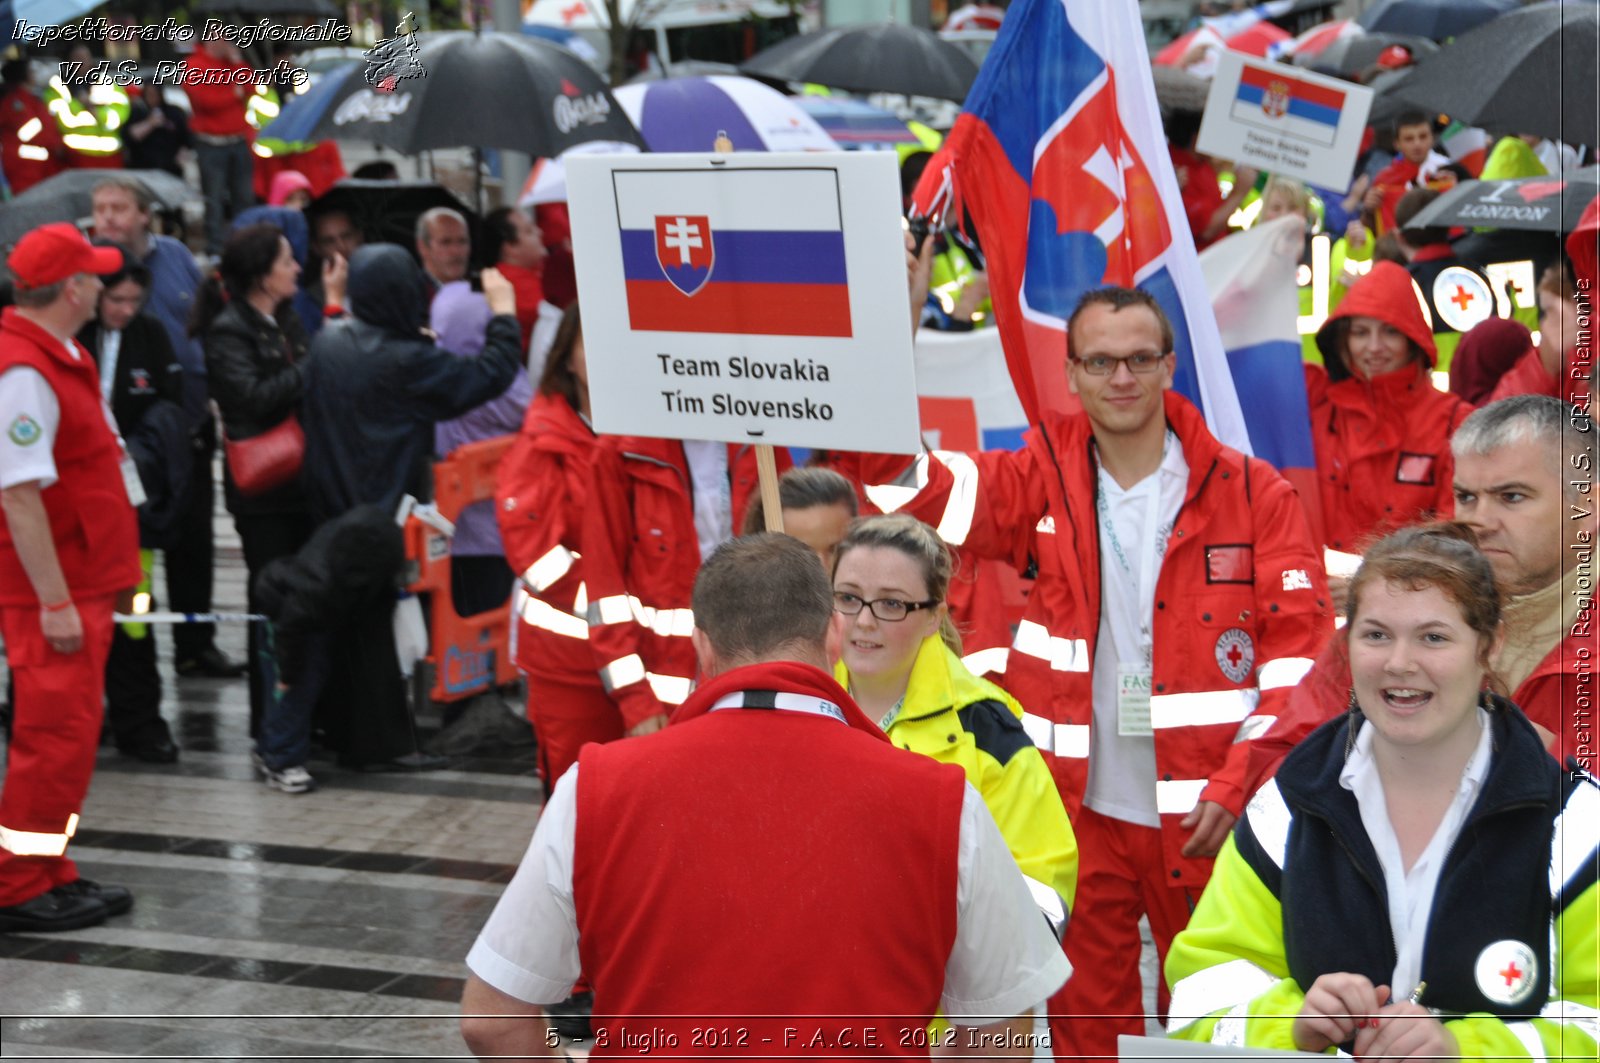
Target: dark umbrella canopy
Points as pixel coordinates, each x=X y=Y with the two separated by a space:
x=1543 y=204
x=1437 y=20
x=70 y=197
x=1351 y=55
x=880 y=57
x=1531 y=71
x=490 y=90
x=387 y=211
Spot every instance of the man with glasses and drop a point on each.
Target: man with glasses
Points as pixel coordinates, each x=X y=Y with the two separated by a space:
x=1179 y=597
x=69 y=545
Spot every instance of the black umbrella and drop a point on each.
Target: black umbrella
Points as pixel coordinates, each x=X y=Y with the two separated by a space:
x=69 y=196
x=1544 y=203
x=459 y=89
x=1387 y=105
x=1437 y=20
x=1532 y=71
x=880 y=57
x=1351 y=55
x=387 y=211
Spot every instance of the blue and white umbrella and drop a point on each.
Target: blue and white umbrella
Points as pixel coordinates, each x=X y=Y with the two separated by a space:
x=856 y=124
x=687 y=114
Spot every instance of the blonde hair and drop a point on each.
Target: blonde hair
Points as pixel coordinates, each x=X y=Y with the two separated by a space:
x=907 y=534
x=1299 y=196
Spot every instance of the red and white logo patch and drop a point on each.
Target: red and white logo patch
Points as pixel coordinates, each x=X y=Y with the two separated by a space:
x=1414 y=468
x=1507 y=972
x=1236 y=654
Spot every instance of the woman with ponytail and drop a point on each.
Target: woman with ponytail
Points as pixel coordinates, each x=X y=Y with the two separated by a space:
x=901 y=661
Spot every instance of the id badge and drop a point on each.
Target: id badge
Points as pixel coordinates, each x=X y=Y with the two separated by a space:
x=1133 y=701
x=130 y=481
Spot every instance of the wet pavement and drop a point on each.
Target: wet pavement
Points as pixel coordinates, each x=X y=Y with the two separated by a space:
x=266 y=925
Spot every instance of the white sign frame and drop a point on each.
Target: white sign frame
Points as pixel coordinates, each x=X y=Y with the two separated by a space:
x=849 y=392
x=1270 y=138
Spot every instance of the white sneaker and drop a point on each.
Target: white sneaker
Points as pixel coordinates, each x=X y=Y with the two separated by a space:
x=295 y=780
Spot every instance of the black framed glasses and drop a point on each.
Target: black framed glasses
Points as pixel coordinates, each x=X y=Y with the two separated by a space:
x=1105 y=364
x=890 y=609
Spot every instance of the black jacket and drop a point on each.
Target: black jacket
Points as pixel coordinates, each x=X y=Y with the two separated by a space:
x=348 y=564
x=1494 y=884
x=147 y=369
x=254 y=365
x=375 y=385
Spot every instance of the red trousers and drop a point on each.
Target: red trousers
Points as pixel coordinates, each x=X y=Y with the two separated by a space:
x=55 y=733
x=1121 y=875
x=567 y=714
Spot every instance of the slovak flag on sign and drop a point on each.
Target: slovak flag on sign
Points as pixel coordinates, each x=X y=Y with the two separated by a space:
x=697 y=258
x=1070 y=187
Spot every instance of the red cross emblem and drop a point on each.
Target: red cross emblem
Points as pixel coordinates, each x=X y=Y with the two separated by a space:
x=572 y=13
x=1462 y=298
x=1236 y=654
x=1511 y=974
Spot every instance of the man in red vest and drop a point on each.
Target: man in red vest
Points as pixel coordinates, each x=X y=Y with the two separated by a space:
x=69 y=544
x=767 y=875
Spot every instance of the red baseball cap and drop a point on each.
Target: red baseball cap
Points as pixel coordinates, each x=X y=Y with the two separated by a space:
x=1396 y=55
x=55 y=252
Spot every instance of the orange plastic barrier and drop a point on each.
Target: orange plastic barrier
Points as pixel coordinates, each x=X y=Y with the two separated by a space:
x=467 y=655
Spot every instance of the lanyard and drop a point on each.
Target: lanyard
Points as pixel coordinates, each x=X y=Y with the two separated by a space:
x=779 y=699
x=1153 y=549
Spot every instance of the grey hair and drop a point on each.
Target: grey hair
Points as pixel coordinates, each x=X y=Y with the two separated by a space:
x=1529 y=419
x=426 y=219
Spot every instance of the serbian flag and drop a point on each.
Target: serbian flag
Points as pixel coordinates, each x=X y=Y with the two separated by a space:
x=1280 y=102
x=1060 y=159
x=695 y=261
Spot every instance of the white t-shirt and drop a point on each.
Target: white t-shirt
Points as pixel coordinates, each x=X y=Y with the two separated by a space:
x=30 y=414
x=1411 y=892
x=1134 y=525
x=1004 y=960
x=110 y=351
x=713 y=494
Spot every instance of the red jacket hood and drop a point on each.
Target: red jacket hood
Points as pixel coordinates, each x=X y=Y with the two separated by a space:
x=1387 y=294
x=551 y=425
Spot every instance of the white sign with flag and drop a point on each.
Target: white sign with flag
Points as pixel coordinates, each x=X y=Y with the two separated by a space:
x=749 y=298
x=1284 y=120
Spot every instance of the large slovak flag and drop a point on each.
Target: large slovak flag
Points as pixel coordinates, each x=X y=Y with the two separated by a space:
x=1060 y=159
x=698 y=258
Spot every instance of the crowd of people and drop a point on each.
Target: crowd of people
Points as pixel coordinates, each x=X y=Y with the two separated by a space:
x=1191 y=701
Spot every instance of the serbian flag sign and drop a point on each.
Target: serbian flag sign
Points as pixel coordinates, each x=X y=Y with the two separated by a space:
x=695 y=260
x=1283 y=103
x=1060 y=154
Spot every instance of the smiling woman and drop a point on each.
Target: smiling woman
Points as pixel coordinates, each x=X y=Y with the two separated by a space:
x=1414 y=883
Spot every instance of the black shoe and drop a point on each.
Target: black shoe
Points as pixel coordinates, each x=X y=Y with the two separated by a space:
x=161 y=751
x=409 y=762
x=210 y=663
x=52 y=911
x=570 y=1018
x=118 y=900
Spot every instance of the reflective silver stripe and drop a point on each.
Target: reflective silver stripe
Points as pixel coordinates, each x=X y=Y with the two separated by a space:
x=1283 y=672
x=543 y=573
x=677 y=623
x=1229 y=1032
x=36 y=843
x=1573 y=845
x=1227 y=985
x=33 y=152
x=956 y=521
x=1571 y=1013
x=1254 y=727
x=1177 y=797
x=1529 y=1036
x=1269 y=821
x=889 y=497
x=89 y=142
x=1062 y=739
x=1064 y=655
x=1072 y=740
x=671 y=689
x=613 y=609
x=543 y=615
x=992 y=659
x=1200 y=708
x=30 y=129
x=624 y=671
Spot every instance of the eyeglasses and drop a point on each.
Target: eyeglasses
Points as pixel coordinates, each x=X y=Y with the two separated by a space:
x=890 y=609
x=1106 y=365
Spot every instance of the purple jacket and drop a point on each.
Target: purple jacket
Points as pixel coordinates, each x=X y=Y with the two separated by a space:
x=459 y=317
